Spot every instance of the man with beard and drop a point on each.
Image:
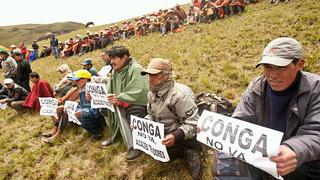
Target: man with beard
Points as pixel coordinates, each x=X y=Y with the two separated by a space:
x=173 y=104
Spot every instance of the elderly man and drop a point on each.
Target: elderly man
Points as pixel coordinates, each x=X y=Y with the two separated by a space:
x=89 y=118
x=128 y=91
x=286 y=99
x=15 y=95
x=173 y=104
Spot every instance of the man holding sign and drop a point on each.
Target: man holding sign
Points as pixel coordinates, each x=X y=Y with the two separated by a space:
x=286 y=99
x=173 y=104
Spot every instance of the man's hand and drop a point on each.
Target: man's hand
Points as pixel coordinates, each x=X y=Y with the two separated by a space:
x=88 y=96
x=112 y=98
x=286 y=160
x=169 y=140
x=2 y=101
x=78 y=114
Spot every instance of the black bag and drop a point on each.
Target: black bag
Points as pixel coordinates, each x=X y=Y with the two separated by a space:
x=224 y=167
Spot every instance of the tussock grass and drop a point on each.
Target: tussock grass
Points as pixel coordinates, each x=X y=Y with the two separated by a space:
x=219 y=57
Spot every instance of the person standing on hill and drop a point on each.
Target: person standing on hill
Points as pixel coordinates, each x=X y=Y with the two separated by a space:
x=9 y=65
x=23 y=70
x=35 y=48
x=286 y=99
x=54 y=43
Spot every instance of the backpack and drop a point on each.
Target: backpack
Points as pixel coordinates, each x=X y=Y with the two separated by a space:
x=224 y=167
x=214 y=103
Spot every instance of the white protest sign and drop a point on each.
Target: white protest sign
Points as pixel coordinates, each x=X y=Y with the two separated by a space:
x=104 y=71
x=99 y=97
x=147 y=137
x=3 y=106
x=70 y=107
x=248 y=142
x=48 y=106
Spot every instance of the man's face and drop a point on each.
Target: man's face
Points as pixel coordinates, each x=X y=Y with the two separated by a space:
x=81 y=83
x=156 y=79
x=33 y=79
x=86 y=66
x=280 y=78
x=10 y=85
x=118 y=63
x=105 y=58
x=17 y=58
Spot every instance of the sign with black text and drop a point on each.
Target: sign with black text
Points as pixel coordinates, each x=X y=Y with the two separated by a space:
x=147 y=137
x=99 y=97
x=70 y=107
x=248 y=142
x=48 y=106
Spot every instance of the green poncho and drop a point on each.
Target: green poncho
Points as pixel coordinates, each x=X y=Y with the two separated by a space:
x=130 y=87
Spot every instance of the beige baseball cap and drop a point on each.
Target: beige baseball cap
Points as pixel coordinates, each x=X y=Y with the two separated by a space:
x=156 y=66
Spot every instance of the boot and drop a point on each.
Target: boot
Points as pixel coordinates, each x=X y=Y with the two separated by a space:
x=133 y=154
x=194 y=162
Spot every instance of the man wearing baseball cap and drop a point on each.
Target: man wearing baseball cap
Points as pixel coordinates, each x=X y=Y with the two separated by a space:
x=89 y=117
x=173 y=104
x=87 y=65
x=16 y=95
x=286 y=99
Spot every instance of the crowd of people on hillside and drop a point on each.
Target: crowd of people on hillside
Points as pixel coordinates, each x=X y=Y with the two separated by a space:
x=167 y=21
x=284 y=98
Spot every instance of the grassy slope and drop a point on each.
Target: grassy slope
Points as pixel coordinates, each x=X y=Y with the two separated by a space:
x=28 y=32
x=217 y=57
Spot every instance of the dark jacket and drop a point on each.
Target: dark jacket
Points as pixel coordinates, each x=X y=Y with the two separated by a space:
x=17 y=93
x=23 y=71
x=302 y=132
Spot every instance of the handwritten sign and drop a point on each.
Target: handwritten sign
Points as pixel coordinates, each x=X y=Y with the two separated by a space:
x=248 y=142
x=70 y=107
x=147 y=137
x=48 y=106
x=99 y=97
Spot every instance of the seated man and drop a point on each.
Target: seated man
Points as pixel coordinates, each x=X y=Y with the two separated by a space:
x=16 y=95
x=173 y=104
x=89 y=118
x=286 y=99
x=128 y=91
x=40 y=88
x=87 y=65
x=64 y=84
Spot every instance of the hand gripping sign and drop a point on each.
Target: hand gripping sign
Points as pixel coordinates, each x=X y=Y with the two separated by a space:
x=48 y=106
x=99 y=97
x=70 y=107
x=248 y=142
x=147 y=137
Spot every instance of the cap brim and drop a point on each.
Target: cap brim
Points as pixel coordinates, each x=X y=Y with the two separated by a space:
x=274 y=60
x=73 y=78
x=150 y=71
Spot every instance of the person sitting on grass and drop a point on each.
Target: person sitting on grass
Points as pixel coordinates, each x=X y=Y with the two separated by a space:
x=64 y=84
x=40 y=88
x=90 y=118
x=16 y=95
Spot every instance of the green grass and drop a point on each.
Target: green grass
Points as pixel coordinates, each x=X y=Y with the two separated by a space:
x=219 y=57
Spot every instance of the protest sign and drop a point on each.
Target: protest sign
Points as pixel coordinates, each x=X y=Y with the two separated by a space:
x=48 y=106
x=99 y=97
x=104 y=71
x=3 y=106
x=248 y=142
x=70 y=107
x=147 y=137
